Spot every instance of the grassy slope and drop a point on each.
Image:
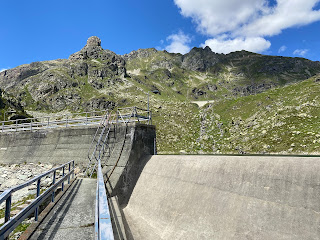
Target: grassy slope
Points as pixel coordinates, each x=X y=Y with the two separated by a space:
x=283 y=120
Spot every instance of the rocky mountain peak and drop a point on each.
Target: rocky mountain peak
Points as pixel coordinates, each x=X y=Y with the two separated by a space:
x=93 y=41
x=92 y=49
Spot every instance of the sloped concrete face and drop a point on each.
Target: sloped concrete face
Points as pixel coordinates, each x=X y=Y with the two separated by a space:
x=226 y=197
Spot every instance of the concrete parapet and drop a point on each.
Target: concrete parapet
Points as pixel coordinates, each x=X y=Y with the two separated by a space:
x=56 y=146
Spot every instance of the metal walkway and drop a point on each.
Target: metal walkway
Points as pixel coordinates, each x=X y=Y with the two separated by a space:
x=73 y=216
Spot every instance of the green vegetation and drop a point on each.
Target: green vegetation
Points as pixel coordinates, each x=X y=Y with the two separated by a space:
x=283 y=120
x=262 y=104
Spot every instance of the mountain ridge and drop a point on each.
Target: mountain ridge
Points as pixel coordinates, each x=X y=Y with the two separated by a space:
x=95 y=78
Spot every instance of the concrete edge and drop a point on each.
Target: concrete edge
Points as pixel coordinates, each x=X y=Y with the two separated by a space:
x=33 y=226
x=117 y=219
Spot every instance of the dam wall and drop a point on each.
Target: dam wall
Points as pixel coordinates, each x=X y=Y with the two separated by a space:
x=226 y=197
x=55 y=146
x=123 y=166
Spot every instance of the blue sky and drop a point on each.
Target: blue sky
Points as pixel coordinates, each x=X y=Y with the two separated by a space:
x=46 y=30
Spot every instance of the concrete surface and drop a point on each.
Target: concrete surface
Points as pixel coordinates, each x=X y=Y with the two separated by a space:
x=56 y=146
x=117 y=219
x=226 y=197
x=73 y=216
x=123 y=167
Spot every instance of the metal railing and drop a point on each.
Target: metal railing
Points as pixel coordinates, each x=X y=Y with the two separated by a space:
x=124 y=115
x=103 y=225
x=11 y=223
x=99 y=142
x=58 y=121
x=134 y=114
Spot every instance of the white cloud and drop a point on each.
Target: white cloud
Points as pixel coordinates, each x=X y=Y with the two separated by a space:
x=300 y=52
x=216 y=17
x=285 y=15
x=247 y=19
x=257 y=44
x=282 y=49
x=3 y=69
x=178 y=43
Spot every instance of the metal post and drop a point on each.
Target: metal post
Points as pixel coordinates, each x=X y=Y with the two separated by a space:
x=36 y=212
x=7 y=212
x=31 y=125
x=67 y=121
x=86 y=118
x=8 y=209
x=53 y=182
x=48 y=122
x=62 y=184
x=16 y=125
x=148 y=100
x=73 y=169
x=117 y=117
x=2 y=126
x=69 y=172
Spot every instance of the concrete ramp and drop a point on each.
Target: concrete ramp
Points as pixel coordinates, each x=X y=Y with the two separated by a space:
x=226 y=197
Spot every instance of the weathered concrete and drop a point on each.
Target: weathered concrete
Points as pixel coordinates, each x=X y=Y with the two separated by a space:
x=226 y=197
x=56 y=146
x=123 y=167
x=73 y=216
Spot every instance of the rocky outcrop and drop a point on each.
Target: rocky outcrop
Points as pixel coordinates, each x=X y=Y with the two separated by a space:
x=11 y=77
x=199 y=59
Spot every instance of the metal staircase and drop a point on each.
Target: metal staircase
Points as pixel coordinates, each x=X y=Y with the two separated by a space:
x=100 y=143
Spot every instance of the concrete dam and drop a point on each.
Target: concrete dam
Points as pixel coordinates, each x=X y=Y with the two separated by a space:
x=180 y=196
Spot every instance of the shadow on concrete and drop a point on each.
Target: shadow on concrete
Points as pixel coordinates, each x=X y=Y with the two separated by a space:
x=134 y=173
x=63 y=208
x=129 y=179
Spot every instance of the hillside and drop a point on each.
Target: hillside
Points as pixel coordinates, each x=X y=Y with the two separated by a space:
x=249 y=90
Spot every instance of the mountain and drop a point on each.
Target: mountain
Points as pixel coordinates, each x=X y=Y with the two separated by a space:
x=95 y=78
x=10 y=108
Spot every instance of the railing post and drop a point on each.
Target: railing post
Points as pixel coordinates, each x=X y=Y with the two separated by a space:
x=2 y=126
x=69 y=172
x=36 y=212
x=8 y=209
x=16 y=125
x=117 y=117
x=86 y=118
x=7 y=212
x=73 y=169
x=62 y=184
x=53 y=182
x=67 y=121
x=48 y=122
x=31 y=125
